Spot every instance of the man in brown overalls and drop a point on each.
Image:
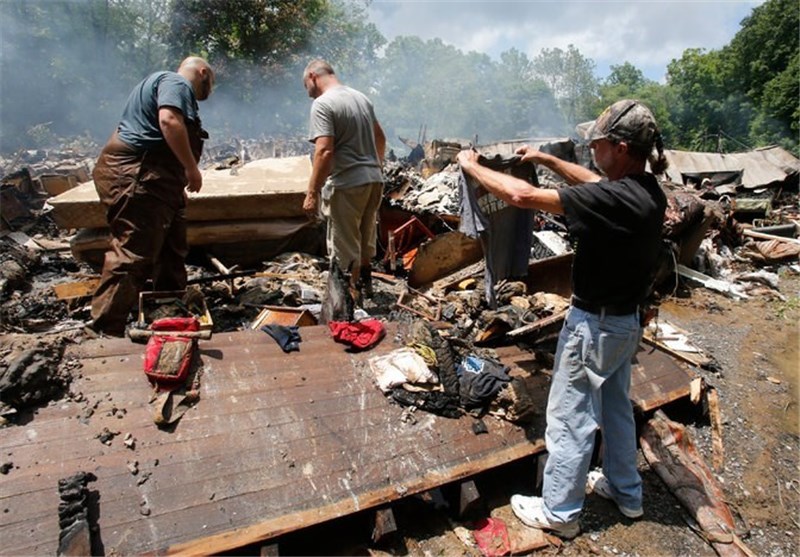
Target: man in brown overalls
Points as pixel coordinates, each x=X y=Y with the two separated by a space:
x=141 y=178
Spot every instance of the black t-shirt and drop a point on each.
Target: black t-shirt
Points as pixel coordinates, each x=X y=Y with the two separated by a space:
x=616 y=228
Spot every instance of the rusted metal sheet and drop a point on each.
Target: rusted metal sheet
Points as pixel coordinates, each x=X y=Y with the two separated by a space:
x=758 y=167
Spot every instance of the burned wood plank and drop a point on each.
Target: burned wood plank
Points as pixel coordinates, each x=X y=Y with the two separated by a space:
x=443 y=255
x=73 y=290
x=670 y=451
x=383 y=524
x=276 y=443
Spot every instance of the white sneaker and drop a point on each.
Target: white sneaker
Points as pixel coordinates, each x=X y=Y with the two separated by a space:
x=529 y=511
x=598 y=483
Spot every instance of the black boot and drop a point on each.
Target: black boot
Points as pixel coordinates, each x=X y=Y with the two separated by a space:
x=365 y=282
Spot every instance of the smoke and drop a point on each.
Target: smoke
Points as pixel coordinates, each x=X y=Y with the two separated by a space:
x=67 y=68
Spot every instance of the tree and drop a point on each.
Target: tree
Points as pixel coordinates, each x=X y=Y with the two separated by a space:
x=708 y=106
x=570 y=77
x=626 y=75
x=765 y=56
x=62 y=65
x=528 y=105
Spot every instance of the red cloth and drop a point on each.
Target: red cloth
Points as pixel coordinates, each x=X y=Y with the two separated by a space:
x=491 y=535
x=168 y=359
x=360 y=335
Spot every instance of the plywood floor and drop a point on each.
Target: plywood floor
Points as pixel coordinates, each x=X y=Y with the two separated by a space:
x=277 y=442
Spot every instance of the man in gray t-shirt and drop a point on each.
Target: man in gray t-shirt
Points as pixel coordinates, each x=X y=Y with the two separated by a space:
x=349 y=148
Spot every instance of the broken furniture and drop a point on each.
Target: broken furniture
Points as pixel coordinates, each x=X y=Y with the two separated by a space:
x=243 y=213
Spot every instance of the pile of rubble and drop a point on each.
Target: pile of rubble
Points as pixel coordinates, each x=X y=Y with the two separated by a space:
x=715 y=241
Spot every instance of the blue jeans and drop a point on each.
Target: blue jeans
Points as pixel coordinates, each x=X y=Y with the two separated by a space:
x=589 y=389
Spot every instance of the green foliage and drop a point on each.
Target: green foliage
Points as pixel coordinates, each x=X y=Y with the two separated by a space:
x=570 y=77
x=264 y=32
x=68 y=65
x=747 y=91
x=626 y=75
x=61 y=60
x=433 y=86
x=708 y=106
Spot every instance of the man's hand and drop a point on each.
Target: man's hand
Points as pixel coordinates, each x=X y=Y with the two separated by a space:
x=311 y=206
x=467 y=159
x=529 y=154
x=194 y=179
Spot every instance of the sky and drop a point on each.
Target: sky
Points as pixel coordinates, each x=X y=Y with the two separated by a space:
x=647 y=33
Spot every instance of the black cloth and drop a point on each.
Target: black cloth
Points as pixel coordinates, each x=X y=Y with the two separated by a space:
x=288 y=338
x=435 y=402
x=480 y=380
x=615 y=227
x=506 y=232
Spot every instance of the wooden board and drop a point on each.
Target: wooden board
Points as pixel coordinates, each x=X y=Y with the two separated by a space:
x=262 y=189
x=657 y=379
x=277 y=442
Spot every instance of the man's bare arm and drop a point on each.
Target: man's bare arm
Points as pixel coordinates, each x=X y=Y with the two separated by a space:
x=572 y=173
x=321 y=169
x=380 y=142
x=513 y=191
x=322 y=164
x=173 y=127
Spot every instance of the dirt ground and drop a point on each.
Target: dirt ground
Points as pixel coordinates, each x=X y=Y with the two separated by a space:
x=755 y=346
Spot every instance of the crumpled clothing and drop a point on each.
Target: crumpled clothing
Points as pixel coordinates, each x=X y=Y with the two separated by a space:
x=435 y=402
x=359 y=335
x=288 y=338
x=480 y=380
x=398 y=367
x=426 y=352
x=491 y=535
x=513 y=402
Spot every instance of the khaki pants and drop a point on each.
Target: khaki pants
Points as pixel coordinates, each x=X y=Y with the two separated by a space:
x=352 y=215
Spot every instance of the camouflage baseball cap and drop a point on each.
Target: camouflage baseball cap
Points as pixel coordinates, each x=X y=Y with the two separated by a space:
x=626 y=120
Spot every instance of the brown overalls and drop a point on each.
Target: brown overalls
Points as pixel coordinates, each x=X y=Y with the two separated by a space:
x=146 y=210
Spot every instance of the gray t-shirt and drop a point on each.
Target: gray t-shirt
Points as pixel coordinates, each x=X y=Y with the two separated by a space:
x=347 y=115
x=139 y=125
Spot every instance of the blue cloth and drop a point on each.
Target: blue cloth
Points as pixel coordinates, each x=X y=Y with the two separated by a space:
x=139 y=125
x=589 y=389
x=288 y=338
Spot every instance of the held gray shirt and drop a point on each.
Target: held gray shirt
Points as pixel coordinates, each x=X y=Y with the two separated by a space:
x=347 y=115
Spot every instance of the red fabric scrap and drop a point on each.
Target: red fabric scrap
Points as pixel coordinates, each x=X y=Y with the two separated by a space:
x=491 y=535
x=168 y=359
x=360 y=335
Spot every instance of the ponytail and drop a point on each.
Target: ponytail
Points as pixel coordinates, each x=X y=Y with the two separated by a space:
x=658 y=162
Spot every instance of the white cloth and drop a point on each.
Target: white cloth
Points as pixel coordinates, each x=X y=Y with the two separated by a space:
x=398 y=367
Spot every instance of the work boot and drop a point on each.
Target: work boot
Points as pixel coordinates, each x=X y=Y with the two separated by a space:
x=365 y=282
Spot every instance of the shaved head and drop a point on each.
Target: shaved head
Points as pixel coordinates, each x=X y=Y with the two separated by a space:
x=319 y=67
x=194 y=63
x=200 y=74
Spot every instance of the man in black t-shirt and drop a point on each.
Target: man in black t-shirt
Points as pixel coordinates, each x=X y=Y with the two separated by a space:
x=616 y=222
x=141 y=177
